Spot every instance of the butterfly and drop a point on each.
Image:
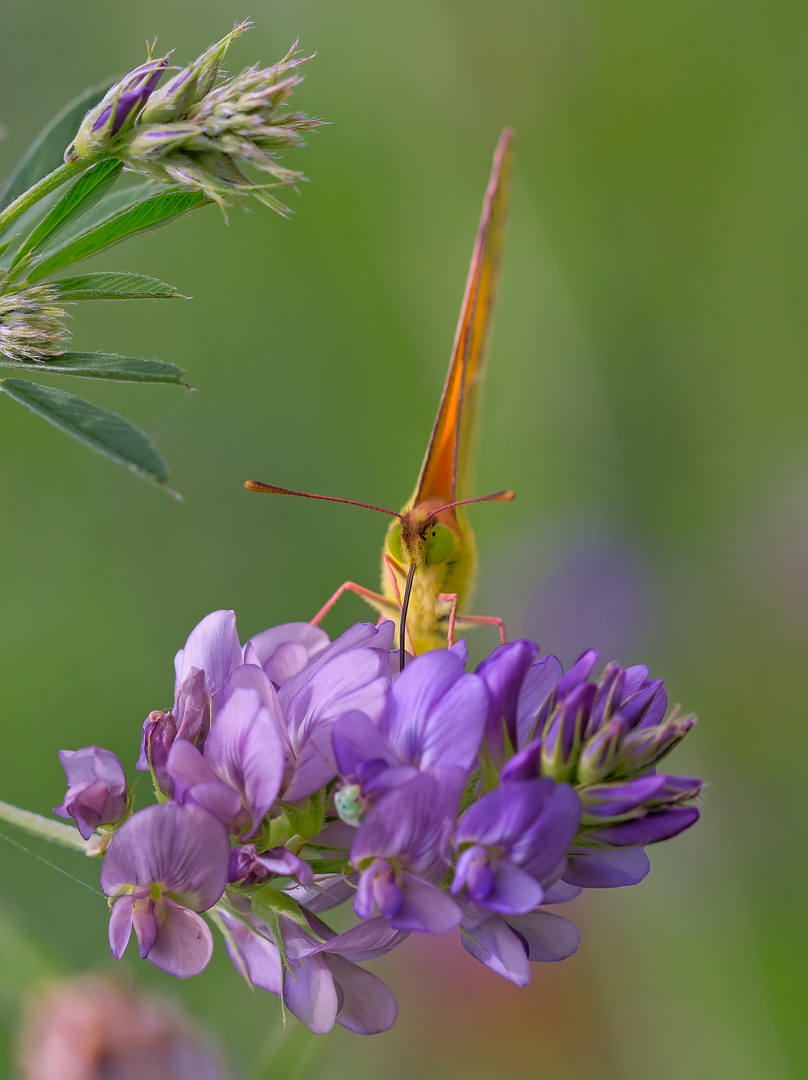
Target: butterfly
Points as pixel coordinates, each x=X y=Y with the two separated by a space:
x=429 y=561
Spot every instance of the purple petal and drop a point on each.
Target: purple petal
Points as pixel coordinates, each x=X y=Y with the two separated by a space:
x=359 y=636
x=193 y=781
x=610 y=800
x=212 y=646
x=548 y=937
x=538 y=684
x=184 y=943
x=437 y=712
x=494 y=944
x=191 y=713
x=310 y=994
x=592 y=868
x=253 y=954
x=650 y=829
x=183 y=847
x=578 y=673
x=245 y=749
x=358 y=742
x=283 y=651
x=367 y=1004
x=424 y=907
x=503 y=673
x=120 y=925
x=413 y=822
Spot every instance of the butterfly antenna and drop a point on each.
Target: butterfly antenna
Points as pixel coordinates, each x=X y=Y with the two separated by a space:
x=498 y=496
x=402 y=652
x=271 y=489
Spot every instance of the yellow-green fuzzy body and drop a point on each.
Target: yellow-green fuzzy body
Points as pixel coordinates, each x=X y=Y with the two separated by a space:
x=427 y=616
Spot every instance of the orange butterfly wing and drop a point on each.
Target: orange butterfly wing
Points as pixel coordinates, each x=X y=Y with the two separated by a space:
x=443 y=473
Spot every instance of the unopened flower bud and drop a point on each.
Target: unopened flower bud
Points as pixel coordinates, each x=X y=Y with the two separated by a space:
x=96 y=789
x=190 y=85
x=599 y=753
x=561 y=742
x=32 y=326
x=645 y=746
x=159 y=732
x=117 y=111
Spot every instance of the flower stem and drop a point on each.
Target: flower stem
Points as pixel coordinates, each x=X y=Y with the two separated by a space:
x=37 y=825
x=42 y=188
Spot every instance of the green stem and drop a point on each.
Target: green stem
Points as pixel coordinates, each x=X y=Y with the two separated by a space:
x=42 y=188
x=37 y=825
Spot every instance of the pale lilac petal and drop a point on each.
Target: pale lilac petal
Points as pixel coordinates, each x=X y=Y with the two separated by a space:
x=367 y=1004
x=548 y=937
x=560 y=892
x=120 y=925
x=253 y=954
x=359 y=636
x=326 y=893
x=212 y=646
x=359 y=745
x=283 y=651
x=183 y=847
x=244 y=748
x=194 y=781
x=424 y=907
x=309 y=993
x=365 y=941
x=494 y=944
x=184 y=943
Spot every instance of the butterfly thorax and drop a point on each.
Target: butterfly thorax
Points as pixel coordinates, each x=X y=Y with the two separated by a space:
x=428 y=616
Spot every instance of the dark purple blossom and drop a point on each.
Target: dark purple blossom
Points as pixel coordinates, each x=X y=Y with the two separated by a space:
x=96 y=789
x=513 y=842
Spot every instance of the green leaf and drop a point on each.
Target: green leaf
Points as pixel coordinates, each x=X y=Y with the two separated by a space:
x=79 y=197
x=100 y=365
x=150 y=214
x=46 y=152
x=328 y=866
x=114 y=285
x=120 y=198
x=97 y=428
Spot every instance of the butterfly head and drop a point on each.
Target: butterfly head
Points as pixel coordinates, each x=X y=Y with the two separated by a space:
x=425 y=535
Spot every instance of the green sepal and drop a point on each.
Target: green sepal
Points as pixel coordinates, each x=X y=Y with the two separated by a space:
x=46 y=152
x=150 y=214
x=100 y=365
x=307 y=820
x=114 y=285
x=85 y=192
x=101 y=430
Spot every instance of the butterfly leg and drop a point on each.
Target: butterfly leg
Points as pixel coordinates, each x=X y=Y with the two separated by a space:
x=473 y=620
x=376 y=600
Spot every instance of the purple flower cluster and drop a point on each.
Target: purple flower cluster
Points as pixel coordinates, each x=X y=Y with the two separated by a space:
x=293 y=774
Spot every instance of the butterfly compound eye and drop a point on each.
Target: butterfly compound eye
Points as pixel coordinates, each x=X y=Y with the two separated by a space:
x=394 y=542
x=439 y=543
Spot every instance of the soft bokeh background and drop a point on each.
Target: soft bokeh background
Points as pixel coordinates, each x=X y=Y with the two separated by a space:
x=647 y=399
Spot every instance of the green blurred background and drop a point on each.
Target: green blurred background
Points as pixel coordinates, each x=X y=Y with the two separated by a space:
x=646 y=399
